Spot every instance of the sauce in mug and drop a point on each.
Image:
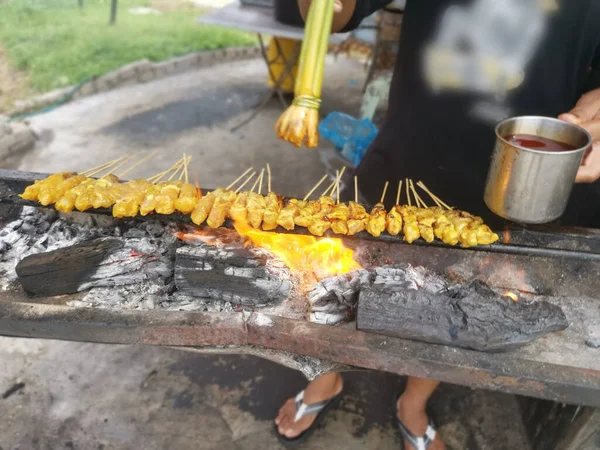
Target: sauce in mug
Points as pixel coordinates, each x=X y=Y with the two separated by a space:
x=539 y=143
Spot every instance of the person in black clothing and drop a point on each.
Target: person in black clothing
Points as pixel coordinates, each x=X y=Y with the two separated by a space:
x=463 y=66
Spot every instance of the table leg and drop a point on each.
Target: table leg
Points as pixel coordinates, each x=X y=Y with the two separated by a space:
x=287 y=69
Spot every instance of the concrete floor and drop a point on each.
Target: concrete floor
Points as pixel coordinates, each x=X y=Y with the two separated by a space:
x=88 y=396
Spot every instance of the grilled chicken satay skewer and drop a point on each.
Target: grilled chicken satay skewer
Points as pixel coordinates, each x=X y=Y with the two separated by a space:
x=292 y=209
x=357 y=215
x=338 y=215
x=377 y=218
x=238 y=211
x=425 y=217
x=169 y=192
x=256 y=204
x=189 y=194
x=274 y=204
x=411 y=225
x=393 y=222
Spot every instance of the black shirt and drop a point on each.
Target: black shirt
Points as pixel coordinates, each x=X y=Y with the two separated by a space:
x=464 y=65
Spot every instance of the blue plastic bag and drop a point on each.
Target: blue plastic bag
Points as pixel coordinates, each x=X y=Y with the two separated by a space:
x=351 y=136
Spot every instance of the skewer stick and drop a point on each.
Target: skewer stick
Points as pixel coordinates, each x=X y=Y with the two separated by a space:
x=331 y=187
x=435 y=198
x=121 y=164
x=262 y=174
x=245 y=182
x=141 y=161
x=315 y=187
x=418 y=199
x=186 y=168
x=255 y=183
x=268 y=178
x=355 y=189
x=387 y=183
x=238 y=179
x=338 y=191
x=399 y=192
x=101 y=167
x=176 y=171
x=408 y=193
x=158 y=176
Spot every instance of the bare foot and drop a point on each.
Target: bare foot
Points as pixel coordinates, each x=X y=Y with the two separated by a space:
x=318 y=390
x=416 y=420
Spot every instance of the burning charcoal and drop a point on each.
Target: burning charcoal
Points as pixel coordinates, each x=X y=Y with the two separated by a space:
x=155 y=228
x=231 y=273
x=470 y=316
x=134 y=233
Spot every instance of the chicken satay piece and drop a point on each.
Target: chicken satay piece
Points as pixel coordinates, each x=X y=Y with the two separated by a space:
x=149 y=202
x=52 y=195
x=339 y=227
x=165 y=200
x=84 y=201
x=67 y=202
x=188 y=198
x=220 y=209
x=204 y=205
x=238 y=212
x=393 y=221
x=103 y=196
x=358 y=218
x=132 y=195
x=289 y=213
x=426 y=232
x=272 y=210
x=426 y=216
x=339 y=212
x=411 y=225
x=256 y=205
x=376 y=221
x=485 y=236
x=305 y=216
x=318 y=227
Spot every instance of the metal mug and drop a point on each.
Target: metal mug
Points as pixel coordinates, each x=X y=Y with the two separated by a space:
x=533 y=186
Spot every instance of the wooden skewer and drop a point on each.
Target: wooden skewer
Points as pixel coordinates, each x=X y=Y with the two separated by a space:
x=355 y=189
x=121 y=164
x=268 y=178
x=315 y=187
x=418 y=199
x=435 y=198
x=331 y=187
x=238 y=179
x=408 y=193
x=246 y=182
x=255 y=183
x=186 y=168
x=160 y=175
x=399 y=192
x=102 y=167
x=137 y=164
x=338 y=192
x=262 y=174
x=177 y=171
x=384 y=191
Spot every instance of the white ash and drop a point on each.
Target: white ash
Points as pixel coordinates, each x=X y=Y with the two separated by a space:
x=334 y=299
x=40 y=230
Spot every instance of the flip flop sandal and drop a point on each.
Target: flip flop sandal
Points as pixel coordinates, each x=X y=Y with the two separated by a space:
x=417 y=442
x=303 y=410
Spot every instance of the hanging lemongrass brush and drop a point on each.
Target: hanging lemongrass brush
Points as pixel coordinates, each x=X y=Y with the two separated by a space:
x=300 y=122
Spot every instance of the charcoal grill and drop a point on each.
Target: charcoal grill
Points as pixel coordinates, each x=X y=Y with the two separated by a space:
x=537 y=262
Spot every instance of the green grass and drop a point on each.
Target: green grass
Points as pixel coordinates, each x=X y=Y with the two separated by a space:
x=58 y=44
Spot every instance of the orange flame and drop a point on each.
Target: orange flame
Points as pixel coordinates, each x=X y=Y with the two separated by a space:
x=514 y=297
x=306 y=256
